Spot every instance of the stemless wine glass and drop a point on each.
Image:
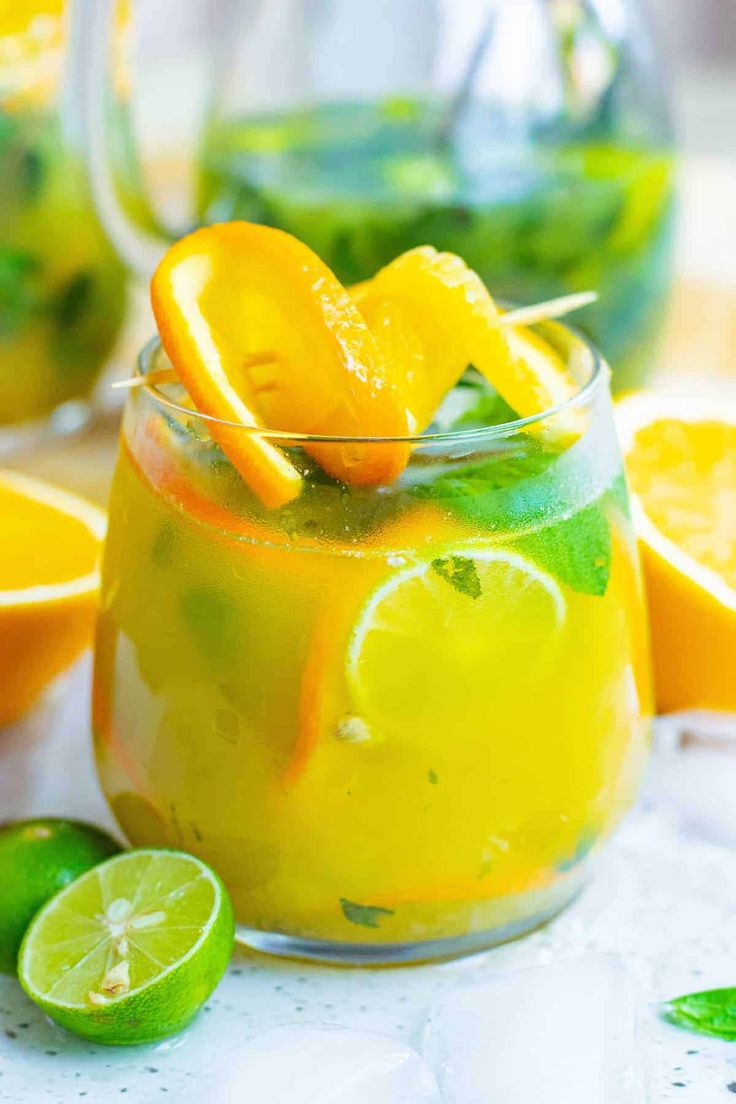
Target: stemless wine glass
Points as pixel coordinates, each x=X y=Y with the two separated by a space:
x=398 y=720
x=62 y=293
x=532 y=137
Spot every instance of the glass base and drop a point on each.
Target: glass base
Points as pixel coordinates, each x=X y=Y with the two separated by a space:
x=337 y=953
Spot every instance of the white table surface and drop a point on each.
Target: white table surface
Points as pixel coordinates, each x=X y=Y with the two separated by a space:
x=663 y=897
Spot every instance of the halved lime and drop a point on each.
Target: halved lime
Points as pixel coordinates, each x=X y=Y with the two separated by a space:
x=38 y=858
x=130 y=951
x=443 y=640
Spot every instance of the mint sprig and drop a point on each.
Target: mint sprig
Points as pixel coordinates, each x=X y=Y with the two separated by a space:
x=712 y=1012
x=366 y=916
x=508 y=490
x=460 y=572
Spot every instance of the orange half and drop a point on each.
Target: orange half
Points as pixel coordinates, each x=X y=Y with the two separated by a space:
x=680 y=452
x=49 y=552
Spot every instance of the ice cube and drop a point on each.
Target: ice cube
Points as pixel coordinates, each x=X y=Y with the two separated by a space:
x=295 y=1064
x=563 y=1033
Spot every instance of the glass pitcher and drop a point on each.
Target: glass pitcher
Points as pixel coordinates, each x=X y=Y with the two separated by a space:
x=532 y=137
x=62 y=287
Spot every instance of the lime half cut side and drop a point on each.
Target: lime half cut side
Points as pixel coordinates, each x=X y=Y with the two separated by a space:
x=130 y=951
x=442 y=641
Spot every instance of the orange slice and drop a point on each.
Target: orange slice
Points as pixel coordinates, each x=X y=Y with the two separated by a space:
x=453 y=318
x=261 y=333
x=681 y=461
x=48 y=586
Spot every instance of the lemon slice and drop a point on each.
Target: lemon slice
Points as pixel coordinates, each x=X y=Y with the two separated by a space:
x=681 y=462
x=49 y=553
x=430 y=638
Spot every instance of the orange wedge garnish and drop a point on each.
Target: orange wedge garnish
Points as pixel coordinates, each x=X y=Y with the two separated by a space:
x=261 y=333
x=448 y=314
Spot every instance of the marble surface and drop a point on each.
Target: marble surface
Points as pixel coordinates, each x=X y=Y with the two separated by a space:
x=663 y=899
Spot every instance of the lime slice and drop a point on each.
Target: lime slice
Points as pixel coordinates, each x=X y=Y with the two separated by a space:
x=431 y=640
x=130 y=951
x=37 y=859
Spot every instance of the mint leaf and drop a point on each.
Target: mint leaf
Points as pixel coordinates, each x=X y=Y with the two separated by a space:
x=489 y=409
x=433 y=777
x=367 y=916
x=32 y=173
x=74 y=299
x=460 y=572
x=20 y=298
x=577 y=551
x=163 y=545
x=618 y=493
x=473 y=490
x=212 y=621
x=712 y=1012
x=503 y=491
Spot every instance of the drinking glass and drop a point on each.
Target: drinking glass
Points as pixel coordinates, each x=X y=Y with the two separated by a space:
x=400 y=721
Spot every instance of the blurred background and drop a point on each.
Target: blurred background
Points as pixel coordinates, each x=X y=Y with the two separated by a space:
x=700 y=40
x=557 y=144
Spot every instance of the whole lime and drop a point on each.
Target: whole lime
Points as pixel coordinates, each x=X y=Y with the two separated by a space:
x=37 y=859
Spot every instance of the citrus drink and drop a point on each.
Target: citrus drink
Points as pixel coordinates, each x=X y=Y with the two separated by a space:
x=397 y=720
x=62 y=289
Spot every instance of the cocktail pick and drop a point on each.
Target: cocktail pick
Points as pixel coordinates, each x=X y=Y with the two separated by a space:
x=521 y=316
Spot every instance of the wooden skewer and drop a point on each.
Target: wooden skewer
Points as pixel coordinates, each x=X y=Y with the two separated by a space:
x=522 y=316
x=168 y=375
x=552 y=308
x=158 y=375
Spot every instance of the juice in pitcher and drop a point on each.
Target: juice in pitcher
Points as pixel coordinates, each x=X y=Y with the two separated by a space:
x=62 y=289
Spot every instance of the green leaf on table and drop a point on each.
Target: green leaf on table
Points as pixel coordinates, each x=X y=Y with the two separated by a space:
x=712 y=1012
x=460 y=572
x=367 y=916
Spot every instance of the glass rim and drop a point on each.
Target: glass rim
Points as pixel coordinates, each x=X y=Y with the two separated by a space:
x=586 y=392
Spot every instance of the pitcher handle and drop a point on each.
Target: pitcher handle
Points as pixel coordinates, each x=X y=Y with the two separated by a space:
x=86 y=95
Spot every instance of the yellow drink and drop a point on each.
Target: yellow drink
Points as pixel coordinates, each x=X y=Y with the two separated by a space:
x=62 y=289
x=396 y=721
